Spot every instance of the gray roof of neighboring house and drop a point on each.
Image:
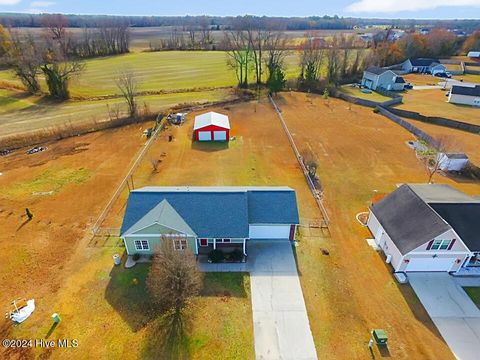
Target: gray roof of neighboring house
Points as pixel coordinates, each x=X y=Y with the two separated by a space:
x=424 y=62
x=215 y=211
x=464 y=219
x=376 y=70
x=431 y=193
x=466 y=90
x=408 y=220
x=462 y=156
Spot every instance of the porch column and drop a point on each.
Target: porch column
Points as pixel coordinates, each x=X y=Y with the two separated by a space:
x=245 y=247
x=196 y=246
x=214 y=244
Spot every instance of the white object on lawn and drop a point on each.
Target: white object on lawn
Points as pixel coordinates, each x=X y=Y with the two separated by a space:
x=22 y=314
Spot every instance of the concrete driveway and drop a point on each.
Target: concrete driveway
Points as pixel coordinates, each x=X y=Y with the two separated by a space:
x=453 y=312
x=280 y=320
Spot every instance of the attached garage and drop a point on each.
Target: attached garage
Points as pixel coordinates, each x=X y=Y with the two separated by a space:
x=429 y=264
x=269 y=232
x=211 y=126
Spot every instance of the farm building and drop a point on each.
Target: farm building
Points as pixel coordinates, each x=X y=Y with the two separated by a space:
x=452 y=161
x=423 y=65
x=211 y=126
x=465 y=94
x=474 y=54
x=375 y=77
x=427 y=227
x=201 y=219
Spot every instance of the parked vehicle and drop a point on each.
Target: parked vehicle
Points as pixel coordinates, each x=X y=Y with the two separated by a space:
x=443 y=75
x=5 y=152
x=408 y=86
x=36 y=149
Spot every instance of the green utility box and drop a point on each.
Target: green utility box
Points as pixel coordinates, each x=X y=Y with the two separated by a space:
x=380 y=336
x=56 y=318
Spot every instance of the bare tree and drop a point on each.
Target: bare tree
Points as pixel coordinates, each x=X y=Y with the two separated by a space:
x=239 y=55
x=55 y=26
x=311 y=61
x=127 y=83
x=431 y=154
x=25 y=59
x=174 y=277
x=275 y=48
x=155 y=162
x=310 y=163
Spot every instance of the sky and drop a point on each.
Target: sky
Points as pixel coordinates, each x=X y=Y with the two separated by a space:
x=425 y=9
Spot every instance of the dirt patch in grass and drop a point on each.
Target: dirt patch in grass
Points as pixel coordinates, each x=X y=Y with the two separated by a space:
x=474 y=294
x=351 y=291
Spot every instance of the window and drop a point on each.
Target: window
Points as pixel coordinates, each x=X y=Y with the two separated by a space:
x=179 y=244
x=440 y=244
x=226 y=240
x=142 y=245
x=203 y=242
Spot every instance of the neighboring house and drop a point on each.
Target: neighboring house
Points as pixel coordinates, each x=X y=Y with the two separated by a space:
x=201 y=219
x=423 y=65
x=465 y=94
x=376 y=77
x=452 y=161
x=474 y=54
x=427 y=227
x=424 y=31
x=211 y=126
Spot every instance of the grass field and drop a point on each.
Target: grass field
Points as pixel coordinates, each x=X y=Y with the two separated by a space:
x=156 y=71
x=474 y=293
x=352 y=291
x=435 y=103
x=34 y=114
x=354 y=91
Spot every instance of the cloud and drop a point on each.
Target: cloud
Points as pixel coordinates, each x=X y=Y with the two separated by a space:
x=41 y=4
x=393 y=6
x=9 y=2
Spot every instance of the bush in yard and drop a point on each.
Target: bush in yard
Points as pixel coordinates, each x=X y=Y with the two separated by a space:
x=236 y=255
x=376 y=110
x=173 y=278
x=216 y=256
x=135 y=257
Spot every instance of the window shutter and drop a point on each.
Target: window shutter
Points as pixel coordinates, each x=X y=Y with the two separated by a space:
x=451 y=244
x=429 y=245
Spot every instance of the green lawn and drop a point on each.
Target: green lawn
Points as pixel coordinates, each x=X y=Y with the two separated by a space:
x=157 y=71
x=354 y=91
x=474 y=293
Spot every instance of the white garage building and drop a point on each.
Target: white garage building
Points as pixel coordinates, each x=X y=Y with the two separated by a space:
x=427 y=227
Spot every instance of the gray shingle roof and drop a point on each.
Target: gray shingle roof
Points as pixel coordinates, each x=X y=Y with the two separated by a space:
x=217 y=211
x=424 y=62
x=466 y=90
x=408 y=220
x=464 y=219
x=376 y=70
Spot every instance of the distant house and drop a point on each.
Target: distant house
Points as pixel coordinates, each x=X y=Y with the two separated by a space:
x=427 y=228
x=424 y=31
x=465 y=94
x=375 y=77
x=200 y=219
x=474 y=54
x=211 y=126
x=423 y=65
x=452 y=161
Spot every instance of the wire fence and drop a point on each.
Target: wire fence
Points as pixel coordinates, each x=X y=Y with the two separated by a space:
x=159 y=125
x=318 y=196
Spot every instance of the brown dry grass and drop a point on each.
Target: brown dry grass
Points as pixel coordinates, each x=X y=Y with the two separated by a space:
x=348 y=293
x=435 y=103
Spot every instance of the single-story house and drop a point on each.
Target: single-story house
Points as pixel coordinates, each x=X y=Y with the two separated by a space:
x=427 y=227
x=376 y=77
x=465 y=94
x=201 y=219
x=423 y=65
x=474 y=54
x=452 y=161
x=211 y=126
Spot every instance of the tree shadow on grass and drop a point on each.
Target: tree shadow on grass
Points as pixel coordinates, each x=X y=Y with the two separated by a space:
x=167 y=337
x=224 y=284
x=127 y=294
